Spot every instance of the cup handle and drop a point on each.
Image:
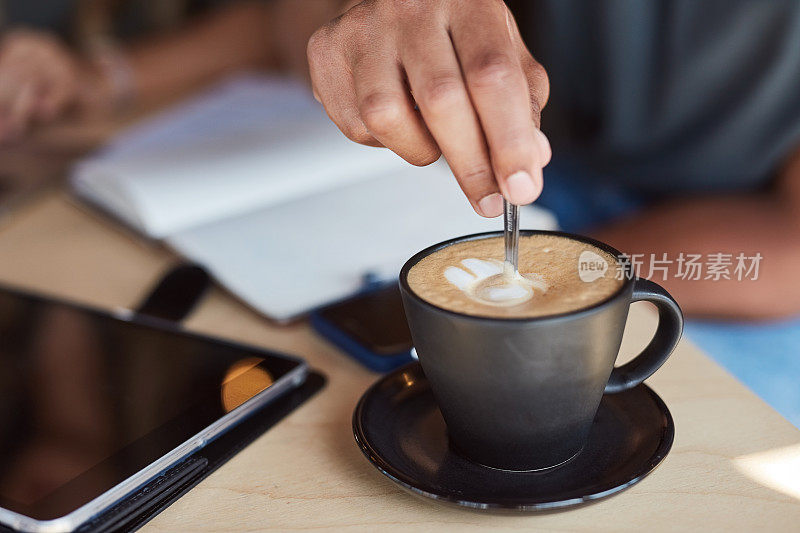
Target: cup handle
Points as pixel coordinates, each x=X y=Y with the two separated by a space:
x=668 y=333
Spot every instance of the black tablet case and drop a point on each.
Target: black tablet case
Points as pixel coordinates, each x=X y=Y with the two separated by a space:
x=173 y=299
x=139 y=508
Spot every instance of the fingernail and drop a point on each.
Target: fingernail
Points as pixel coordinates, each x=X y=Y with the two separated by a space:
x=491 y=206
x=545 y=151
x=520 y=188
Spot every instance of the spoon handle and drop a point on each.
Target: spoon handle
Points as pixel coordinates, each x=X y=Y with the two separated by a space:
x=511 y=235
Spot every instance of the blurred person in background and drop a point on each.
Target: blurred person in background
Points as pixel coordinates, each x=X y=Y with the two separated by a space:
x=101 y=56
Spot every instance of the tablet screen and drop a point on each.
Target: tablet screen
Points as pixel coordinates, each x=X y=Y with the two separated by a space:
x=87 y=400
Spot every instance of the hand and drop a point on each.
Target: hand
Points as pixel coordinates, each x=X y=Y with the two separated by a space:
x=39 y=80
x=431 y=77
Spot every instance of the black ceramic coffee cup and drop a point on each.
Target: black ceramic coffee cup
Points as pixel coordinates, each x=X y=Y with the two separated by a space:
x=521 y=393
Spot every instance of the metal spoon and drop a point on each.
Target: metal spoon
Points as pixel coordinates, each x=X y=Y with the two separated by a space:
x=511 y=235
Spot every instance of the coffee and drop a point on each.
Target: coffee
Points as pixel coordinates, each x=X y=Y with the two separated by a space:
x=556 y=275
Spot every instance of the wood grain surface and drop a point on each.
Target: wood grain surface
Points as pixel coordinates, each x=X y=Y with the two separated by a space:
x=730 y=468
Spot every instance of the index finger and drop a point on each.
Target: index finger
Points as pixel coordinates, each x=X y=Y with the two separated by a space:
x=498 y=88
x=434 y=76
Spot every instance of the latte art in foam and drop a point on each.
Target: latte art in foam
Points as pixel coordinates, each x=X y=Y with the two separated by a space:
x=486 y=281
x=468 y=277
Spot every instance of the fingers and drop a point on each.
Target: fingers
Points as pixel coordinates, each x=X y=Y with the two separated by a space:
x=478 y=91
x=535 y=74
x=17 y=98
x=59 y=87
x=365 y=95
x=387 y=111
x=23 y=108
x=37 y=81
x=333 y=86
x=438 y=88
x=52 y=101
x=499 y=91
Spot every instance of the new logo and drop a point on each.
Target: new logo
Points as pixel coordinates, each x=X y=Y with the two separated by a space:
x=591 y=266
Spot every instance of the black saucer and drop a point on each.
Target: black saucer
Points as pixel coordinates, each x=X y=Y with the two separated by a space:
x=401 y=431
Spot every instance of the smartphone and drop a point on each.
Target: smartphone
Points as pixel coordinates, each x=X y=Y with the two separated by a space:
x=93 y=405
x=371 y=327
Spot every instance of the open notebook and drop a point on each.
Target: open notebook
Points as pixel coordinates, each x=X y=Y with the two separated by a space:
x=252 y=180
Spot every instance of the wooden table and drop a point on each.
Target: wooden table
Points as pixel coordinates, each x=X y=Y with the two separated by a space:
x=735 y=464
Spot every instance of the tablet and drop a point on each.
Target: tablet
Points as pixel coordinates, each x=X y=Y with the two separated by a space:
x=95 y=404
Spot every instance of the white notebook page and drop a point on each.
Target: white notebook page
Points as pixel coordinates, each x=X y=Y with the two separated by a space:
x=250 y=142
x=292 y=257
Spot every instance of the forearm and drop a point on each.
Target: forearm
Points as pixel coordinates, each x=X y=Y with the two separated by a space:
x=246 y=35
x=766 y=224
x=233 y=38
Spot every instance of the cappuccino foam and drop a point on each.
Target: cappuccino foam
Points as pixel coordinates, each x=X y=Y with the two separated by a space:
x=468 y=277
